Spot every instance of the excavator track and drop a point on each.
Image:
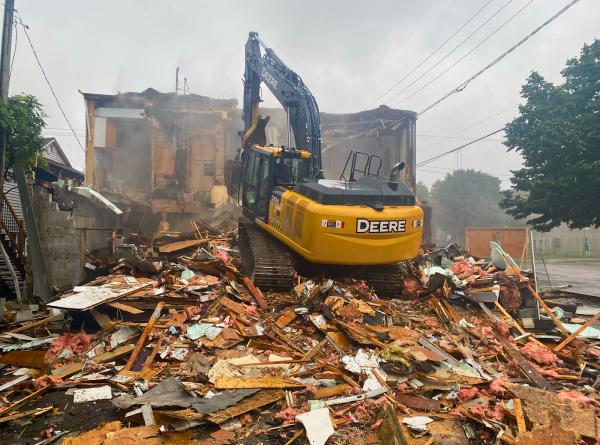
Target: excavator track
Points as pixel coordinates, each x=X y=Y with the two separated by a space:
x=264 y=259
x=386 y=280
x=271 y=265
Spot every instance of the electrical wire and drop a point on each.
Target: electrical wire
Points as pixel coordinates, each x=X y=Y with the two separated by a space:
x=463 y=85
x=25 y=28
x=486 y=119
x=432 y=169
x=454 y=150
x=430 y=55
x=510 y=19
x=451 y=51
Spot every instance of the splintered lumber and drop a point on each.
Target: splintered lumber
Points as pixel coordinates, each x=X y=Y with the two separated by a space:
x=27 y=359
x=100 y=358
x=286 y=318
x=33 y=412
x=102 y=319
x=519 y=415
x=258 y=400
x=35 y=324
x=225 y=382
x=542 y=303
x=548 y=310
x=152 y=356
x=255 y=292
x=25 y=399
x=517 y=326
x=140 y=344
x=338 y=390
x=180 y=245
x=390 y=430
x=527 y=368
x=578 y=331
x=126 y=308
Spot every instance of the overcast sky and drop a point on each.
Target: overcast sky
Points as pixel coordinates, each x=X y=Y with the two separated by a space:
x=348 y=52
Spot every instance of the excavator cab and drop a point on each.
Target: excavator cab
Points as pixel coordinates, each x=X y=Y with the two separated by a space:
x=265 y=168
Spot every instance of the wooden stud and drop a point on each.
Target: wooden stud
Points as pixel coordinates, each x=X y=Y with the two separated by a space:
x=519 y=415
x=578 y=331
x=140 y=344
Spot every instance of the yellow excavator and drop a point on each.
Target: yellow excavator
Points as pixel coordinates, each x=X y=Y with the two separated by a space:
x=362 y=224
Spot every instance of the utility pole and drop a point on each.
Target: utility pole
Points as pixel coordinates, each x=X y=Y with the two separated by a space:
x=9 y=8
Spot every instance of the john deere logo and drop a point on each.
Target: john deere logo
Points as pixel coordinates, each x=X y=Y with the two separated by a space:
x=384 y=226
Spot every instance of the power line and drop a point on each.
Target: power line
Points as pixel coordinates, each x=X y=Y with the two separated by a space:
x=463 y=85
x=452 y=138
x=432 y=54
x=433 y=168
x=421 y=150
x=454 y=150
x=25 y=28
x=510 y=19
x=451 y=51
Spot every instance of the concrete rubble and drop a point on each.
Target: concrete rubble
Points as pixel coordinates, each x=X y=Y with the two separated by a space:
x=175 y=345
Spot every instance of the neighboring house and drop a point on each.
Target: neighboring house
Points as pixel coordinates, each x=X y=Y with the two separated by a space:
x=12 y=227
x=57 y=161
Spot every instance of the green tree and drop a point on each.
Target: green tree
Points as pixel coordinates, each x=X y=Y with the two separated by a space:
x=466 y=198
x=422 y=192
x=558 y=135
x=23 y=118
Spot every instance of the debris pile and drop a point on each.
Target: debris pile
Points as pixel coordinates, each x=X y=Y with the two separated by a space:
x=176 y=345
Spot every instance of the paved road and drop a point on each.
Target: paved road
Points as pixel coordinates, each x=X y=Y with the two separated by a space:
x=582 y=275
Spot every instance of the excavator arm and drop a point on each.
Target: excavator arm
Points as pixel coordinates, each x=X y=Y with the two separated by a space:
x=291 y=92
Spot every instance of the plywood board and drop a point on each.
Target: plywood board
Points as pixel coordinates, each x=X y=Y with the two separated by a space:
x=92 y=296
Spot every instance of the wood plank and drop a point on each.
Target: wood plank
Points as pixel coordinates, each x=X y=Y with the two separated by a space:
x=338 y=390
x=92 y=297
x=34 y=412
x=225 y=382
x=548 y=310
x=35 y=324
x=519 y=415
x=152 y=356
x=102 y=319
x=578 y=331
x=101 y=358
x=256 y=401
x=286 y=318
x=508 y=259
x=125 y=308
x=180 y=245
x=140 y=344
x=255 y=292
x=25 y=399
x=530 y=372
x=390 y=431
x=27 y=359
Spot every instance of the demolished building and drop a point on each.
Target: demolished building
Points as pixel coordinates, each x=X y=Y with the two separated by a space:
x=159 y=156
